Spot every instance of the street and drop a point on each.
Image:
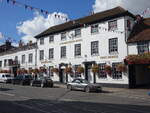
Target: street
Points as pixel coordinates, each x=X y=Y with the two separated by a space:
x=27 y=99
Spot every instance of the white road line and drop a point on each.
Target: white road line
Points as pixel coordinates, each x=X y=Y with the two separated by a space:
x=7 y=94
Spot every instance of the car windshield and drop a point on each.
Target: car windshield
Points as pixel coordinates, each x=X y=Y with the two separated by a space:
x=28 y=76
x=8 y=75
x=84 y=81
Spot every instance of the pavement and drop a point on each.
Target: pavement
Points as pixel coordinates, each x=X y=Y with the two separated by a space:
x=27 y=99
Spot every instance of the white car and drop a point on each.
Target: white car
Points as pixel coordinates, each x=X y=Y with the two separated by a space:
x=82 y=84
x=5 y=78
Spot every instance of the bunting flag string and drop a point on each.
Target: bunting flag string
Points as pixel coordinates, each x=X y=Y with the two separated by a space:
x=28 y=7
x=147 y=10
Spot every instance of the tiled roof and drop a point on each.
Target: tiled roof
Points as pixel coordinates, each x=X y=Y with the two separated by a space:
x=140 y=32
x=98 y=17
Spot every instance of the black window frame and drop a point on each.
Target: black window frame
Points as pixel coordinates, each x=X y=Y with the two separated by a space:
x=111 y=27
x=63 y=52
x=23 y=59
x=1 y=62
x=94 y=28
x=142 y=47
x=63 y=36
x=77 y=34
x=77 y=50
x=116 y=74
x=95 y=48
x=102 y=73
x=51 y=38
x=113 y=48
x=51 y=50
x=42 y=41
x=30 y=58
x=41 y=52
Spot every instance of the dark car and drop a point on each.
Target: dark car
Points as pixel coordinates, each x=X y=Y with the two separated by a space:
x=82 y=84
x=42 y=82
x=22 y=79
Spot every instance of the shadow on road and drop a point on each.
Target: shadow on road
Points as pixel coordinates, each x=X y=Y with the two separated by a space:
x=5 y=89
x=53 y=106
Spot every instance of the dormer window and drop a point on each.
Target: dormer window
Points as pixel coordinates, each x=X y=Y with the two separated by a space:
x=63 y=36
x=41 y=41
x=51 y=38
x=77 y=32
x=94 y=28
x=112 y=25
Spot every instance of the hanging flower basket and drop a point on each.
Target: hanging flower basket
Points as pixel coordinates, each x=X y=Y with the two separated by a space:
x=138 y=59
x=55 y=70
x=95 y=69
x=35 y=70
x=68 y=70
x=121 y=68
x=80 y=69
x=108 y=69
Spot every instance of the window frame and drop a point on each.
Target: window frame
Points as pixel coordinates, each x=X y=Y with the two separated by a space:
x=77 y=34
x=113 y=48
x=23 y=59
x=116 y=74
x=51 y=38
x=41 y=57
x=102 y=74
x=111 y=27
x=51 y=56
x=94 y=50
x=63 y=36
x=94 y=28
x=76 y=48
x=63 y=51
x=30 y=58
x=42 y=41
x=142 y=47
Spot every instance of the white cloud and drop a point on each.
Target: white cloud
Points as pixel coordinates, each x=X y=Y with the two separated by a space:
x=1 y=36
x=38 y=24
x=134 y=6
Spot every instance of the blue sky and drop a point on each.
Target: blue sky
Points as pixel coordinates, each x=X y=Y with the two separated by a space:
x=11 y=14
x=24 y=24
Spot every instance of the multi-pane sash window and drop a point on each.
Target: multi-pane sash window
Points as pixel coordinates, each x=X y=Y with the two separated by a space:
x=102 y=73
x=41 y=54
x=63 y=52
x=23 y=59
x=77 y=32
x=94 y=48
x=0 y=63
x=116 y=74
x=77 y=49
x=30 y=58
x=51 y=53
x=112 y=25
x=94 y=28
x=51 y=38
x=113 y=45
x=41 y=41
x=142 y=47
x=5 y=62
x=63 y=36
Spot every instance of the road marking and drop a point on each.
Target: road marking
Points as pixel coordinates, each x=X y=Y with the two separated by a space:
x=7 y=94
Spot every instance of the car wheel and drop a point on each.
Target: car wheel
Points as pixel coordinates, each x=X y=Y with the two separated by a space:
x=42 y=85
x=31 y=83
x=69 y=87
x=87 y=89
x=21 y=83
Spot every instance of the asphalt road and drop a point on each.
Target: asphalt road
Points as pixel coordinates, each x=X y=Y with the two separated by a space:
x=26 y=99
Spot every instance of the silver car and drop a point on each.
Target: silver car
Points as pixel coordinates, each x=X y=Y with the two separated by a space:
x=82 y=84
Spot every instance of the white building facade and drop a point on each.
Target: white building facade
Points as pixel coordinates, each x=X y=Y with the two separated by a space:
x=98 y=39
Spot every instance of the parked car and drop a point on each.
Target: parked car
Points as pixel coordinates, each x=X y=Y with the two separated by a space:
x=82 y=84
x=5 y=78
x=42 y=82
x=22 y=79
